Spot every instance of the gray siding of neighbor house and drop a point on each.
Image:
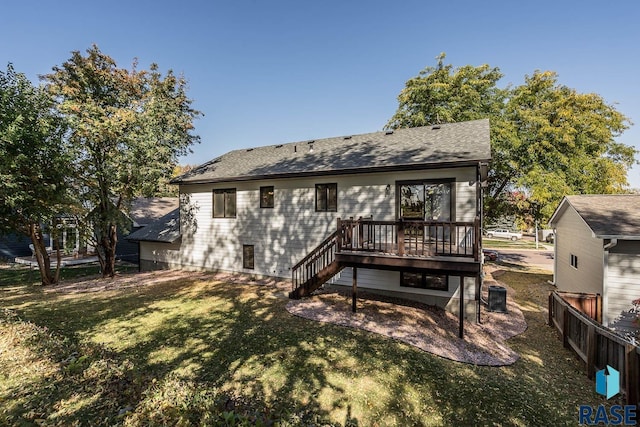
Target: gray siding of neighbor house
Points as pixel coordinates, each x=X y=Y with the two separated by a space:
x=573 y=236
x=14 y=245
x=127 y=250
x=283 y=235
x=623 y=285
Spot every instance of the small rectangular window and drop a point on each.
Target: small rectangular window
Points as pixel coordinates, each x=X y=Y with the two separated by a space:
x=224 y=203
x=326 y=197
x=574 y=261
x=438 y=282
x=266 y=197
x=247 y=256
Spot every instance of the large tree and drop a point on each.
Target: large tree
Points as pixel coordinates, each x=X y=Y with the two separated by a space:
x=34 y=159
x=128 y=128
x=547 y=140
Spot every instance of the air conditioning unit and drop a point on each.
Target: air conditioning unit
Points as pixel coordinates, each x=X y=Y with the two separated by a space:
x=497 y=299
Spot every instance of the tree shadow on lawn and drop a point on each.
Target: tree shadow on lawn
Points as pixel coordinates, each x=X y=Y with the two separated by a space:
x=237 y=346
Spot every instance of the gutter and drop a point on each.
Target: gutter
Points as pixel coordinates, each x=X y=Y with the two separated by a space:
x=348 y=171
x=605 y=274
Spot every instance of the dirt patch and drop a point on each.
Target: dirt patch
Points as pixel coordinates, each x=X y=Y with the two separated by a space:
x=426 y=327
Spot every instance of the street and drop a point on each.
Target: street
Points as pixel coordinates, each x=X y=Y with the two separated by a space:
x=533 y=257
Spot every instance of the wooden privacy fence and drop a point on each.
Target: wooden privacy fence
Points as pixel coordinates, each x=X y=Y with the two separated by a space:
x=588 y=304
x=597 y=346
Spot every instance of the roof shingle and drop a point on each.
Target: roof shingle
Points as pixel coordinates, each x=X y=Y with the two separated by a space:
x=443 y=144
x=609 y=215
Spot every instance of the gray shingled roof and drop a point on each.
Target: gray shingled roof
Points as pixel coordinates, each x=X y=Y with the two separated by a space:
x=165 y=229
x=145 y=210
x=428 y=146
x=608 y=215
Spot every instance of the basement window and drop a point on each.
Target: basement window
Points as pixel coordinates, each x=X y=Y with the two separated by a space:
x=574 y=261
x=247 y=256
x=439 y=282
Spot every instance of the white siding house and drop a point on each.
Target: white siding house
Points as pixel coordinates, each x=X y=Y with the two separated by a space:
x=262 y=210
x=597 y=250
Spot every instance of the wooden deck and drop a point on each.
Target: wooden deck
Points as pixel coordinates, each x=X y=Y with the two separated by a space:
x=383 y=261
x=64 y=261
x=451 y=248
x=448 y=247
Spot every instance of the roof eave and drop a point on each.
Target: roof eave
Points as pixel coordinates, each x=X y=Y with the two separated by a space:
x=616 y=236
x=155 y=240
x=351 y=171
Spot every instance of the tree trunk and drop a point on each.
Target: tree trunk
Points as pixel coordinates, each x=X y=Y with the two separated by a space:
x=44 y=261
x=108 y=243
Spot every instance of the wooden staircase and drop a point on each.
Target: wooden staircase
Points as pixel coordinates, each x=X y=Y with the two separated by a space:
x=316 y=268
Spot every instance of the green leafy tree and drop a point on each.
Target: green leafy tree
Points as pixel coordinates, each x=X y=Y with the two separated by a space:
x=444 y=94
x=128 y=128
x=547 y=140
x=34 y=159
x=553 y=141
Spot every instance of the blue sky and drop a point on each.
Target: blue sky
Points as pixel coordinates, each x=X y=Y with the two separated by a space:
x=267 y=72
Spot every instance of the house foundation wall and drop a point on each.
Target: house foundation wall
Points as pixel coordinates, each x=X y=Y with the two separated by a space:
x=450 y=304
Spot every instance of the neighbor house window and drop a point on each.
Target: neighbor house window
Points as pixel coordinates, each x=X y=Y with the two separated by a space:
x=224 y=203
x=266 y=197
x=574 y=261
x=438 y=282
x=426 y=200
x=247 y=256
x=326 y=197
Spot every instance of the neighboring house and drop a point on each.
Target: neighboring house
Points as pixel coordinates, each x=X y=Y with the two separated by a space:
x=597 y=250
x=14 y=245
x=283 y=210
x=143 y=211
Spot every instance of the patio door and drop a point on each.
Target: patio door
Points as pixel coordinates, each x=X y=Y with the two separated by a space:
x=427 y=201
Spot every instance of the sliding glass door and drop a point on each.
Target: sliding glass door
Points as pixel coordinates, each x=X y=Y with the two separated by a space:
x=427 y=201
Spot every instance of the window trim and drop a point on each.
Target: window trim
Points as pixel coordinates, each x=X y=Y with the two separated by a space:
x=245 y=264
x=225 y=192
x=452 y=195
x=423 y=281
x=327 y=186
x=573 y=260
x=273 y=199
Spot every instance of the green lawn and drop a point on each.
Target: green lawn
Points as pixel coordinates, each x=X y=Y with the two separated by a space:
x=201 y=352
x=518 y=244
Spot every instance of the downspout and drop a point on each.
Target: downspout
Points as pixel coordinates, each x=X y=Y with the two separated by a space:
x=605 y=273
x=555 y=258
x=480 y=212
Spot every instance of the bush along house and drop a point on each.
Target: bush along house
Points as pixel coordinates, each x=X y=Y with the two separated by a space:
x=393 y=212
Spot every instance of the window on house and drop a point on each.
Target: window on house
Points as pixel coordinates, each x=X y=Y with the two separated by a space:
x=426 y=200
x=438 y=282
x=247 y=256
x=574 y=261
x=266 y=197
x=224 y=203
x=326 y=197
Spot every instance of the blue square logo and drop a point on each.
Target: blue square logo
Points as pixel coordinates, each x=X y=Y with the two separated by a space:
x=608 y=382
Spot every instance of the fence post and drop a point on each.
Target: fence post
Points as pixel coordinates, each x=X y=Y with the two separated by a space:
x=400 y=238
x=339 y=236
x=360 y=233
x=631 y=374
x=591 y=351
x=550 y=321
x=565 y=326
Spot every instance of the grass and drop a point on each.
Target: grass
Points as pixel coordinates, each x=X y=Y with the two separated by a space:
x=201 y=352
